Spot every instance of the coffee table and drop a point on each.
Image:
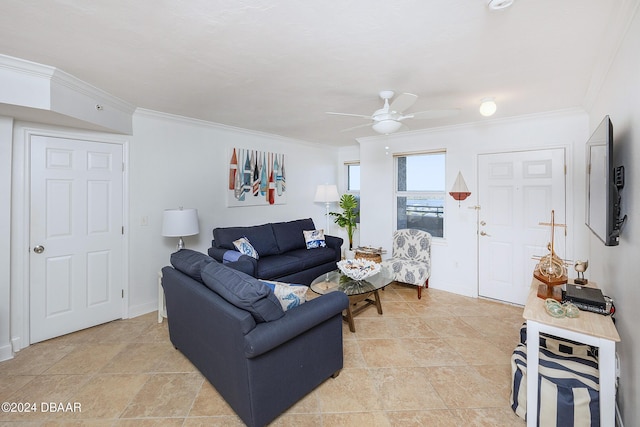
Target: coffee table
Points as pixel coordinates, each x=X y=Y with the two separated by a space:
x=357 y=290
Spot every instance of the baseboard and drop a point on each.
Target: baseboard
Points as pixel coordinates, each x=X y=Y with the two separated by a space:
x=139 y=310
x=455 y=289
x=6 y=352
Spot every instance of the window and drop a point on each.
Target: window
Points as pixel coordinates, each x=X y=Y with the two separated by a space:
x=353 y=177
x=420 y=192
x=353 y=183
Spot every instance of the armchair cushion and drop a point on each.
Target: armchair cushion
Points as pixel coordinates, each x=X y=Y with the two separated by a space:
x=408 y=271
x=243 y=291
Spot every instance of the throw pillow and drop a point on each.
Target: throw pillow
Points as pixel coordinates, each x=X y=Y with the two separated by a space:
x=289 y=294
x=231 y=256
x=243 y=291
x=314 y=239
x=244 y=246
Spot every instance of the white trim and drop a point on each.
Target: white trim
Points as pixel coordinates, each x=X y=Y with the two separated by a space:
x=158 y=115
x=6 y=353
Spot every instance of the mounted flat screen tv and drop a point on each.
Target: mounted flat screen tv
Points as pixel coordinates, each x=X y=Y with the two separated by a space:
x=604 y=182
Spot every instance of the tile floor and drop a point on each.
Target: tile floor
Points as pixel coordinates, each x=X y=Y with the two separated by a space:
x=439 y=361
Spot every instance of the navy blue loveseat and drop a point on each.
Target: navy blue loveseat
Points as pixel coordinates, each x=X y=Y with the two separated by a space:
x=260 y=358
x=282 y=252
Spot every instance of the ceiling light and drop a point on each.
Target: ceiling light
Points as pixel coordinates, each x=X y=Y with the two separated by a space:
x=499 y=4
x=488 y=106
x=386 y=126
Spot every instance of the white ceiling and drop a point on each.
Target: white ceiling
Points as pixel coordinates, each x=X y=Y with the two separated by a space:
x=277 y=66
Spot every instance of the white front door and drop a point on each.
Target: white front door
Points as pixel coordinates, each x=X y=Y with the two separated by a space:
x=76 y=235
x=516 y=192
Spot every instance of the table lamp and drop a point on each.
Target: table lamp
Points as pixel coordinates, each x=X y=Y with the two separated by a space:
x=180 y=223
x=327 y=194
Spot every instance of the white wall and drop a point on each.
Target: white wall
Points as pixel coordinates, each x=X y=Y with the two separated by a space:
x=172 y=162
x=177 y=161
x=454 y=259
x=617 y=269
x=6 y=133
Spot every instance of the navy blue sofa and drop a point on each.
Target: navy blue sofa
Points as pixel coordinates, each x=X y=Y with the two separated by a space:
x=260 y=358
x=282 y=250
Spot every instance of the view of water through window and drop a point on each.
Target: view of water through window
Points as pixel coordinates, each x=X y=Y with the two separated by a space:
x=420 y=192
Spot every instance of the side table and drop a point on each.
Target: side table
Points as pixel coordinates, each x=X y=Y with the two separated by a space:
x=162 y=304
x=589 y=328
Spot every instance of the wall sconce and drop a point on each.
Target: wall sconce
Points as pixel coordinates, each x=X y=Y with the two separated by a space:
x=459 y=191
x=488 y=106
x=327 y=194
x=179 y=223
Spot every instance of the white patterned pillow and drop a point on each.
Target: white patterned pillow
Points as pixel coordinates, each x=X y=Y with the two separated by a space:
x=289 y=294
x=314 y=239
x=244 y=247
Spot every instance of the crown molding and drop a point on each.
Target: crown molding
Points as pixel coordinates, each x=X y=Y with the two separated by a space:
x=51 y=91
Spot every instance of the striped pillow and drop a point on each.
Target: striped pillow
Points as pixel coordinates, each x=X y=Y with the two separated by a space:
x=560 y=345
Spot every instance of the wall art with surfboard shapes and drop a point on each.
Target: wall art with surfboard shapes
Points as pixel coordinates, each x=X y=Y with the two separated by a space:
x=256 y=178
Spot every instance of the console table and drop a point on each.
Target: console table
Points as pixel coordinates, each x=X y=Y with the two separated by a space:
x=589 y=328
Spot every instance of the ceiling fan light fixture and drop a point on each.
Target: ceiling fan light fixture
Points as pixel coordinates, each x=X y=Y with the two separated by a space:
x=488 y=107
x=499 y=4
x=386 y=127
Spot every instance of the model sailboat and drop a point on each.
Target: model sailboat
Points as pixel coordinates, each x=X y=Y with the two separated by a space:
x=551 y=269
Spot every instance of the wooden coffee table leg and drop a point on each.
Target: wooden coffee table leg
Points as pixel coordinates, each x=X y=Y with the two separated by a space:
x=349 y=318
x=378 y=304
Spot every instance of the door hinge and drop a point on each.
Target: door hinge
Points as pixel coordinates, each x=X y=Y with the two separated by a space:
x=122 y=166
x=122 y=293
x=123 y=229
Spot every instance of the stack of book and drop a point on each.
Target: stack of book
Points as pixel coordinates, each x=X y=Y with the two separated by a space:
x=585 y=298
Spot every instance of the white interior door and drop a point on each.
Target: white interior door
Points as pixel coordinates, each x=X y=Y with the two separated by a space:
x=516 y=192
x=76 y=237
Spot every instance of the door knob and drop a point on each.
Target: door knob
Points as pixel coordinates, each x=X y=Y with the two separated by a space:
x=483 y=233
x=38 y=249
x=483 y=223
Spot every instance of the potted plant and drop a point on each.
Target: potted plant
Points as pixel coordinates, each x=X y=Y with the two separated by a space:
x=347 y=218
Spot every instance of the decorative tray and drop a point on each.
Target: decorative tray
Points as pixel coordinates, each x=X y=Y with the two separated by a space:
x=358 y=269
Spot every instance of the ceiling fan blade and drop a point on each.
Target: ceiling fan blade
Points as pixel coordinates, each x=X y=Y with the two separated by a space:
x=349 y=114
x=435 y=114
x=403 y=102
x=356 y=127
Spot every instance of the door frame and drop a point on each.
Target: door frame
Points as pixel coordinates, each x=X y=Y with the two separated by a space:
x=20 y=219
x=569 y=205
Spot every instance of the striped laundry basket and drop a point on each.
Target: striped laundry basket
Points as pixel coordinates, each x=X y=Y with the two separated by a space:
x=568 y=389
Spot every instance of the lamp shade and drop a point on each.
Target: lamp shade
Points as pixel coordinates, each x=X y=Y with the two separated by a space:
x=386 y=126
x=327 y=193
x=180 y=222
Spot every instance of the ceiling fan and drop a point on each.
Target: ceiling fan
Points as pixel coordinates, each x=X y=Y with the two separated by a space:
x=388 y=119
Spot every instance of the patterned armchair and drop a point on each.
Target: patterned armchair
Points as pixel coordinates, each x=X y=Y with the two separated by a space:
x=410 y=259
